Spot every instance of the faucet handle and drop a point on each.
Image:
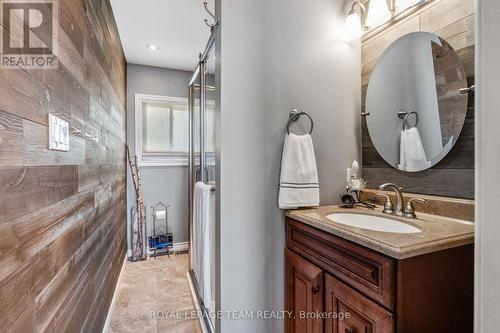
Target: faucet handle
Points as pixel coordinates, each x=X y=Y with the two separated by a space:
x=388 y=206
x=410 y=209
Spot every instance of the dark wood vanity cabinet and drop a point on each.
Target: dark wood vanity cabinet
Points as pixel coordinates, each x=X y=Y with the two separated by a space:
x=305 y=289
x=364 y=314
x=336 y=286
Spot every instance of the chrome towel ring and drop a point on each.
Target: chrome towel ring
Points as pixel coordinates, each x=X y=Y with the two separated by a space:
x=405 y=115
x=294 y=116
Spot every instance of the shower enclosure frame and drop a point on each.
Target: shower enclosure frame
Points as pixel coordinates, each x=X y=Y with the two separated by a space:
x=201 y=172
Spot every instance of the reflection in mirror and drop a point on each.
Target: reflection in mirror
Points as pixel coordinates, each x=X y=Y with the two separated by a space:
x=416 y=110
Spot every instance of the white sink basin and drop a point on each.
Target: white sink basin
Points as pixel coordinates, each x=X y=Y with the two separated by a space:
x=374 y=223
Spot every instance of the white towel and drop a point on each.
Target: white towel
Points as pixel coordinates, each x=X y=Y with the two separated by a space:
x=161 y=214
x=203 y=231
x=412 y=154
x=299 y=176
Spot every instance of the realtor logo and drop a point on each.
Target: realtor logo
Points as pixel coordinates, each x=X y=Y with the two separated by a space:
x=29 y=34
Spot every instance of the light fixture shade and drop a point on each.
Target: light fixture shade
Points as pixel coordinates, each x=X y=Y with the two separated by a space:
x=353 y=29
x=378 y=13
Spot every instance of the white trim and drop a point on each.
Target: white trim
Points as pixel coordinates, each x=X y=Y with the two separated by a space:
x=196 y=304
x=171 y=162
x=105 y=328
x=165 y=161
x=487 y=117
x=181 y=246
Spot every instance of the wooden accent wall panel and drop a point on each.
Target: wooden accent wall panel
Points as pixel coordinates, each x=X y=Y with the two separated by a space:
x=452 y=20
x=63 y=214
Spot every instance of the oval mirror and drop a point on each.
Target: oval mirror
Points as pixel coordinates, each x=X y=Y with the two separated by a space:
x=416 y=110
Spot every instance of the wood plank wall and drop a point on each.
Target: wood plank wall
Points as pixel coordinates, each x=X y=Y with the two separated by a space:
x=63 y=214
x=453 y=20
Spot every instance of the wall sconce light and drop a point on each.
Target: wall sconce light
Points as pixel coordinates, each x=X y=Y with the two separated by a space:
x=353 y=27
x=379 y=12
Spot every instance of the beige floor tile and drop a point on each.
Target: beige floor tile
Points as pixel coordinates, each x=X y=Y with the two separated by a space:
x=150 y=286
x=179 y=326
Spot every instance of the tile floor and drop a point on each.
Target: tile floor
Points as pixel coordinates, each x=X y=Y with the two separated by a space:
x=158 y=286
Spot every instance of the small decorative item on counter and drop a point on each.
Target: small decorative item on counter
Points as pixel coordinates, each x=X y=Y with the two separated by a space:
x=354 y=187
x=355 y=169
x=358 y=185
x=353 y=179
x=348 y=177
x=357 y=195
x=347 y=199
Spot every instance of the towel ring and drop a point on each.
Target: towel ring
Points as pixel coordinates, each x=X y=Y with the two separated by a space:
x=294 y=116
x=405 y=115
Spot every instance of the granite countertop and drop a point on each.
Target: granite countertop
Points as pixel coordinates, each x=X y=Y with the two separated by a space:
x=437 y=232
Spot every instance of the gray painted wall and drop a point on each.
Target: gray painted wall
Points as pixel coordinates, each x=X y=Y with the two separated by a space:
x=275 y=56
x=487 y=292
x=168 y=184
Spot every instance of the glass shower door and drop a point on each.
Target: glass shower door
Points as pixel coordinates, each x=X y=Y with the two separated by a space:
x=209 y=143
x=202 y=168
x=194 y=153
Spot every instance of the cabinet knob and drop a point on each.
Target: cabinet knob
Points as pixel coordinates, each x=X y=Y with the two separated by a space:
x=348 y=330
x=315 y=290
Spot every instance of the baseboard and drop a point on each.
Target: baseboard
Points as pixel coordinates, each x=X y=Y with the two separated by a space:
x=181 y=246
x=105 y=328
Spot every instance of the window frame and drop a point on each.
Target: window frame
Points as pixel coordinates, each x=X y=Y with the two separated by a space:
x=160 y=159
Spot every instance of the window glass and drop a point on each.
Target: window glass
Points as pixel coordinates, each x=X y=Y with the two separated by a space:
x=164 y=128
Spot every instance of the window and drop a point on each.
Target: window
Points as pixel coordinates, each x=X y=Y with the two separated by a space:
x=161 y=136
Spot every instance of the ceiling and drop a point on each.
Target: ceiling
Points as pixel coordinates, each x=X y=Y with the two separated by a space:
x=175 y=26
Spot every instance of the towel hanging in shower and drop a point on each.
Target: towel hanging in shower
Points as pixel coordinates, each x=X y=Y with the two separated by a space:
x=203 y=229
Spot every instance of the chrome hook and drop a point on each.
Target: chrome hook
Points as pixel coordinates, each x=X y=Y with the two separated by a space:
x=216 y=21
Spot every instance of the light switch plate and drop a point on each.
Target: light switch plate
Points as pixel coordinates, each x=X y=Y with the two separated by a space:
x=58 y=133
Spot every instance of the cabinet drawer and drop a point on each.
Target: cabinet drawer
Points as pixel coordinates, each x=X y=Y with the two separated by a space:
x=352 y=312
x=364 y=269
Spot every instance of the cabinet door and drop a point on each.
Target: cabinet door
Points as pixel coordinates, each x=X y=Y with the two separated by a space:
x=303 y=295
x=351 y=312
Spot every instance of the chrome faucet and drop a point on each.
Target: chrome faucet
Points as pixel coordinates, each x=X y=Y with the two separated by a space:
x=398 y=208
x=408 y=212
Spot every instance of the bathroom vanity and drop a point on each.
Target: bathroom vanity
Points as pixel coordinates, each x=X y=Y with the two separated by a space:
x=364 y=273
x=345 y=279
